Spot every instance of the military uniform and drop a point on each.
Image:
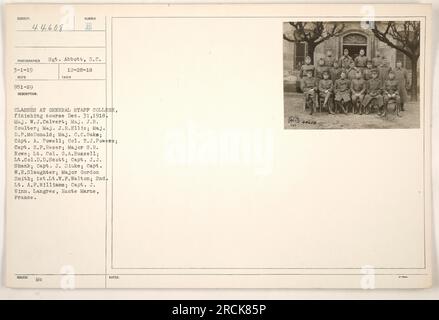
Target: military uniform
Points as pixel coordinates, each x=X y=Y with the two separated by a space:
x=345 y=62
x=329 y=61
x=325 y=91
x=335 y=73
x=391 y=87
x=383 y=71
x=319 y=71
x=305 y=68
x=324 y=85
x=377 y=61
x=367 y=73
x=351 y=73
x=309 y=87
x=358 y=87
x=308 y=83
x=361 y=61
x=342 y=90
x=391 y=92
x=401 y=74
x=374 y=87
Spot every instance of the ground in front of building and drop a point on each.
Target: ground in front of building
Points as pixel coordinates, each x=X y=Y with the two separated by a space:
x=296 y=118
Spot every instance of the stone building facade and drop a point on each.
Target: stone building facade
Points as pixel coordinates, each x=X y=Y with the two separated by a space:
x=355 y=36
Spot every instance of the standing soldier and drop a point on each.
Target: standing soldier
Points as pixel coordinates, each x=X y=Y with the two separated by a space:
x=329 y=59
x=391 y=92
x=383 y=70
x=309 y=88
x=342 y=93
x=335 y=71
x=306 y=66
x=325 y=92
x=358 y=88
x=345 y=60
x=401 y=74
x=373 y=96
x=321 y=67
x=351 y=72
x=361 y=60
x=378 y=60
x=367 y=72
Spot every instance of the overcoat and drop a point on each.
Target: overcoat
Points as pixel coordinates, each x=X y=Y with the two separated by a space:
x=402 y=75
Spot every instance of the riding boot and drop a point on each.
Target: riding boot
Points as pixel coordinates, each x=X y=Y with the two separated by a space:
x=330 y=108
x=384 y=113
x=344 y=108
x=379 y=110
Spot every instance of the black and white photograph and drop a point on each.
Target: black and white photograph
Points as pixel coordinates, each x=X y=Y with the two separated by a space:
x=144 y=154
x=351 y=74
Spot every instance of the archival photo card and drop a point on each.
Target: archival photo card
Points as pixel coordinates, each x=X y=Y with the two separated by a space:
x=352 y=74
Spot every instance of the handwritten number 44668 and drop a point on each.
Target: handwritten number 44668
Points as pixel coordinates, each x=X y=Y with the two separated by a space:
x=47 y=27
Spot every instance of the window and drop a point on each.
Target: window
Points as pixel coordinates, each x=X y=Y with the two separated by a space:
x=300 y=54
x=354 y=39
x=355 y=42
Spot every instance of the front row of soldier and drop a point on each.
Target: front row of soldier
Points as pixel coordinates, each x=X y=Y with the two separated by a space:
x=357 y=95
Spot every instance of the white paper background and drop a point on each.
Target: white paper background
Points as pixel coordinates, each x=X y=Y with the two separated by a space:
x=240 y=294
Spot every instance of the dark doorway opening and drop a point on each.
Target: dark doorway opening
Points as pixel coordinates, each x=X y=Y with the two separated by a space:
x=354 y=49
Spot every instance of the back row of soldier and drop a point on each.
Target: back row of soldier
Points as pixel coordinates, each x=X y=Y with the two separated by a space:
x=355 y=82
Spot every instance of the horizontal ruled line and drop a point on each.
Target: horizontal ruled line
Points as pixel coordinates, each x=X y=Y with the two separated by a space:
x=55 y=63
x=60 y=79
x=266 y=268
x=262 y=17
x=221 y=274
x=60 y=31
x=62 y=47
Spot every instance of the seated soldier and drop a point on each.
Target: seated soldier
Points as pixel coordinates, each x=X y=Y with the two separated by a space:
x=391 y=93
x=342 y=93
x=373 y=95
x=358 y=88
x=325 y=91
x=309 y=88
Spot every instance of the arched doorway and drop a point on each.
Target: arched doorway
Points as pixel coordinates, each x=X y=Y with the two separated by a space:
x=354 y=42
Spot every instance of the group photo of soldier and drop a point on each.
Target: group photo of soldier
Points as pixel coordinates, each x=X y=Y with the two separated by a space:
x=351 y=74
x=360 y=85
